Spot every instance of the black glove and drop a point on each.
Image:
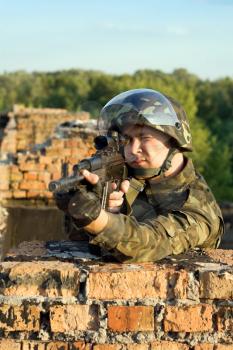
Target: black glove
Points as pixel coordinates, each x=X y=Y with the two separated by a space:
x=84 y=205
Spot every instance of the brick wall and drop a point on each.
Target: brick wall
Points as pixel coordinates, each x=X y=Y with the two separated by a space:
x=32 y=158
x=29 y=126
x=52 y=297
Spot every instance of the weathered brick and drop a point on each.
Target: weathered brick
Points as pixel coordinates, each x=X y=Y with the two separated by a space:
x=19 y=194
x=137 y=346
x=31 y=166
x=34 y=194
x=225 y=319
x=32 y=185
x=7 y=344
x=33 y=345
x=19 y=318
x=107 y=347
x=46 y=278
x=5 y=195
x=210 y=282
x=168 y=345
x=44 y=345
x=16 y=176
x=58 y=143
x=31 y=175
x=4 y=185
x=72 y=143
x=45 y=160
x=5 y=172
x=197 y=318
x=79 y=345
x=57 y=345
x=121 y=282
x=204 y=346
x=131 y=318
x=44 y=176
x=14 y=185
x=69 y=318
x=48 y=194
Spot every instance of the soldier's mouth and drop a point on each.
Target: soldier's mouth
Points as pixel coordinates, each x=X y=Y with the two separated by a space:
x=137 y=162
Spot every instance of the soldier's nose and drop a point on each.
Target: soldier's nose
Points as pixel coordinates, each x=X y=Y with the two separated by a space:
x=135 y=146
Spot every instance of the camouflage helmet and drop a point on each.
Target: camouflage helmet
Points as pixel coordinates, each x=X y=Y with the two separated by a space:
x=147 y=107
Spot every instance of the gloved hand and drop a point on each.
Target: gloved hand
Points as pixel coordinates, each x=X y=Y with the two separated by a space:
x=84 y=205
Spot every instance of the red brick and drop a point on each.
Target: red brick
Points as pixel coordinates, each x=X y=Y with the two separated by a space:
x=32 y=185
x=168 y=345
x=14 y=186
x=225 y=319
x=19 y=318
x=33 y=345
x=19 y=194
x=58 y=143
x=66 y=152
x=47 y=194
x=58 y=345
x=5 y=195
x=107 y=347
x=137 y=346
x=56 y=175
x=79 y=345
x=210 y=282
x=31 y=166
x=72 y=143
x=197 y=318
x=16 y=176
x=121 y=282
x=131 y=318
x=42 y=345
x=5 y=172
x=7 y=344
x=204 y=346
x=31 y=175
x=45 y=278
x=45 y=160
x=35 y=194
x=69 y=318
x=4 y=185
x=54 y=168
x=45 y=176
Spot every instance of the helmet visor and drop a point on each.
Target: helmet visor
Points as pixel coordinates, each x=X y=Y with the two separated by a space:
x=140 y=106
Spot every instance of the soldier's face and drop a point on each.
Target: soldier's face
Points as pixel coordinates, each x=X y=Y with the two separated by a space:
x=146 y=147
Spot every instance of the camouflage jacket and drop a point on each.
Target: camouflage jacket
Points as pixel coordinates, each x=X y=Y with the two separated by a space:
x=169 y=217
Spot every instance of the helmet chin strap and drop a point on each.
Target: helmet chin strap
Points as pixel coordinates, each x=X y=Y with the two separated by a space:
x=152 y=172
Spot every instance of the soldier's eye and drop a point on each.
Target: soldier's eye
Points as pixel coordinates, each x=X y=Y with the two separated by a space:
x=146 y=137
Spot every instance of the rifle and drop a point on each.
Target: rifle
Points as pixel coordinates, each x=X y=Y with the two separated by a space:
x=108 y=163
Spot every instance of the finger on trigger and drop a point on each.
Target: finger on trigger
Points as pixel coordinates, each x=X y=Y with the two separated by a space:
x=115 y=203
x=116 y=195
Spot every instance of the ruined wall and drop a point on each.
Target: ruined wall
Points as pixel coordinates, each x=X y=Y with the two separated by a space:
x=29 y=126
x=52 y=297
x=34 y=147
x=34 y=144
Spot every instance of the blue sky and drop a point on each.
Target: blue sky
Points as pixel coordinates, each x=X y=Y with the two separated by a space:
x=117 y=36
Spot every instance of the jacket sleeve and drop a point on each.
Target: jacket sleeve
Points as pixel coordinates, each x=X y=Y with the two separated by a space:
x=151 y=240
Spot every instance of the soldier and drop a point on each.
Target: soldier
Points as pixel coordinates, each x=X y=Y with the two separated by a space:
x=166 y=207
